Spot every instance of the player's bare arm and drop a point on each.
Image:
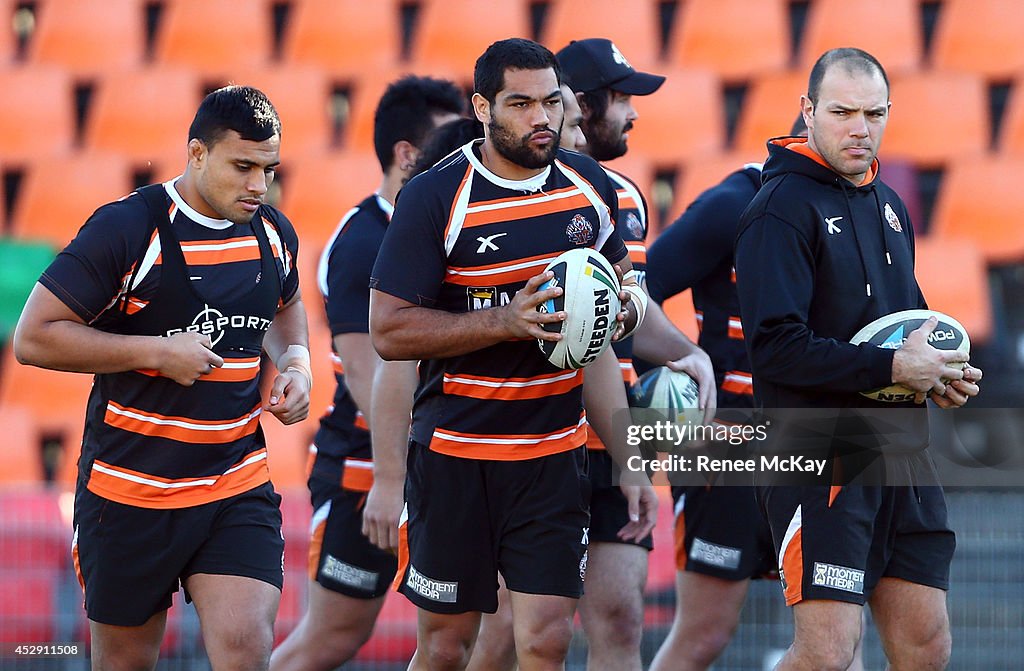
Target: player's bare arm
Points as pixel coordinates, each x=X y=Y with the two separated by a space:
x=51 y=335
x=603 y=397
x=393 y=386
x=287 y=345
x=360 y=361
x=404 y=330
x=630 y=314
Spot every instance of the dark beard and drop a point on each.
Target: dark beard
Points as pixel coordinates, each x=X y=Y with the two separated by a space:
x=519 y=151
x=601 y=147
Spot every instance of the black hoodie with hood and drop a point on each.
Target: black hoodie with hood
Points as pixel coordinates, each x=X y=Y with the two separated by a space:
x=817 y=258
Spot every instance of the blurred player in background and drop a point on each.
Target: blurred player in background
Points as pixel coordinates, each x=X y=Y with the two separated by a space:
x=169 y=296
x=612 y=607
x=349 y=575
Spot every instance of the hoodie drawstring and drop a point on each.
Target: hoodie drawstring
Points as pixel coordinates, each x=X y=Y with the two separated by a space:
x=881 y=226
x=856 y=238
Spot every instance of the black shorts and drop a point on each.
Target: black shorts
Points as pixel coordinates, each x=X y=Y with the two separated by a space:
x=341 y=558
x=721 y=532
x=131 y=560
x=837 y=543
x=468 y=519
x=609 y=511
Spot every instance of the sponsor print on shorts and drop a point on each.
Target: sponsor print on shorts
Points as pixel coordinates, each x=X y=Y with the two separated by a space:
x=838 y=577
x=721 y=556
x=347 y=574
x=428 y=588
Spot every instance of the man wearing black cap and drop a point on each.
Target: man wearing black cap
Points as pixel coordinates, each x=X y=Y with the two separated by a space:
x=612 y=607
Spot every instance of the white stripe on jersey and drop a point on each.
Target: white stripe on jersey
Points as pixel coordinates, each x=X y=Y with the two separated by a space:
x=633 y=192
x=459 y=210
x=325 y=256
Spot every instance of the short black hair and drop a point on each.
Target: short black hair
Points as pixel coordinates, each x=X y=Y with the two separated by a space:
x=516 y=53
x=445 y=139
x=854 y=60
x=406 y=111
x=243 y=109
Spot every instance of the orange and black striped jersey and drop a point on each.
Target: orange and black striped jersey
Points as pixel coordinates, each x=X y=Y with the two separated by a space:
x=631 y=226
x=462 y=239
x=342 y=443
x=149 y=441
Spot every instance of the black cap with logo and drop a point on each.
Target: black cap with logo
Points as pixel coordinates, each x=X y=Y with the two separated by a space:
x=596 y=63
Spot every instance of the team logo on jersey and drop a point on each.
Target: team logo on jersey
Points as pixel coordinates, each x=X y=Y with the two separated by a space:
x=579 y=230
x=894 y=221
x=212 y=322
x=633 y=225
x=481 y=298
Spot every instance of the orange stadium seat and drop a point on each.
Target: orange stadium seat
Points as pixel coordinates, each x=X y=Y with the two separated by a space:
x=703 y=172
x=22 y=455
x=144 y=113
x=317 y=191
x=738 y=39
x=345 y=37
x=88 y=37
x=963 y=293
x=926 y=128
x=215 y=37
x=451 y=34
x=683 y=118
x=771 y=106
x=889 y=30
x=86 y=180
x=679 y=310
x=980 y=36
x=635 y=32
x=301 y=95
x=36 y=112
x=981 y=199
x=56 y=401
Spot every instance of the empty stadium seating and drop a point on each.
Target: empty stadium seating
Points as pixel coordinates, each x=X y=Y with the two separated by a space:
x=982 y=200
x=937 y=117
x=347 y=38
x=453 y=33
x=89 y=37
x=887 y=29
x=771 y=106
x=980 y=36
x=144 y=113
x=36 y=112
x=953 y=277
x=668 y=132
x=215 y=38
x=737 y=39
x=636 y=33
x=59 y=193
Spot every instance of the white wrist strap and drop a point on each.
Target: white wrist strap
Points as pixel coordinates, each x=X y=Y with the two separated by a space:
x=639 y=299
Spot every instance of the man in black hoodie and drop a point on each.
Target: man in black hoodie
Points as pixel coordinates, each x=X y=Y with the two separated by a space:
x=823 y=249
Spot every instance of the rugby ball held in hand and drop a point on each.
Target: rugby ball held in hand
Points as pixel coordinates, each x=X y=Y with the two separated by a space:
x=590 y=299
x=665 y=394
x=891 y=331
